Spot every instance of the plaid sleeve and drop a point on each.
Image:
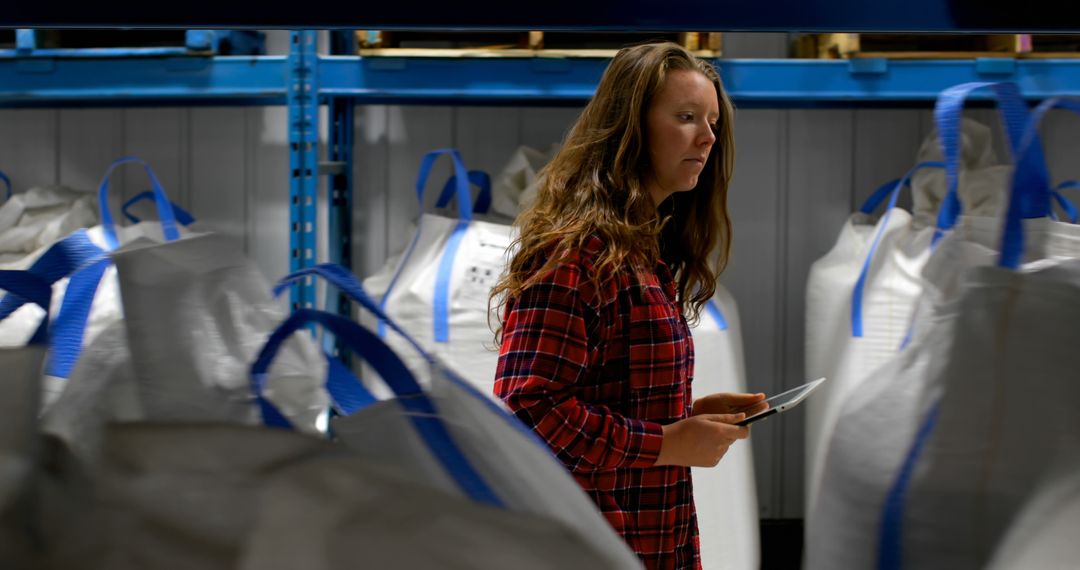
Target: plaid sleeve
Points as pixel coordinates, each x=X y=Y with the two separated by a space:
x=544 y=354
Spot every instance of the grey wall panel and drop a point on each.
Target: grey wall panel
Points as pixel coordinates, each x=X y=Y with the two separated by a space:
x=268 y=191
x=28 y=147
x=157 y=136
x=818 y=200
x=90 y=139
x=413 y=132
x=218 y=170
x=370 y=197
x=1060 y=132
x=540 y=127
x=885 y=144
x=486 y=136
x=1061 y=138
x=753 y=271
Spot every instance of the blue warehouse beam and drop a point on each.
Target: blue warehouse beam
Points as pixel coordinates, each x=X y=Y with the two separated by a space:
x=772 y=83
x=261 y=80
x=51 y=82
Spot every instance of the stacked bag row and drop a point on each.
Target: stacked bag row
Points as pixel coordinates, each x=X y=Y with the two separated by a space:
x=438 y=291
x=199 y=426
x=947 y=438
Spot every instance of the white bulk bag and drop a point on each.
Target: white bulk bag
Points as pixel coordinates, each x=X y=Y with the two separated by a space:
x=979 y=458
x=867 y=446
x=354 y=515
x=197 y=311
x=187 y=495
x=40 y=216
x=881 y=419
x=515 y=186
x=20 y=383
x=873 y=267
x=878 y=418
x=439 y=289
x=449 y=436
x=101 y=389
x=860 y=295
x=85 y=290
x=206 y=496
x=969 y=475
x=1044 y=533
x=725 y=496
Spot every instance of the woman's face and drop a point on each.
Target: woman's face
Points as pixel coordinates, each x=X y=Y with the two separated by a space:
x=679 y=130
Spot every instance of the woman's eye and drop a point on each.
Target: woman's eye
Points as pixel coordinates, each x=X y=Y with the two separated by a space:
x=686 y=117
x=714 y=126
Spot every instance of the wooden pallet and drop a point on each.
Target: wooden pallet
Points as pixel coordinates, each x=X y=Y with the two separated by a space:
x=935 y=46
x=524 y=44
x=1052 y=46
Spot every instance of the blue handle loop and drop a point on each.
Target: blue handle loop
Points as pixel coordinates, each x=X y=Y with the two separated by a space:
x=69 y=328
x=33 y=289
x=61 y=260
x=460 y=178
x=348 y=284
x=7 y=183
x=1066 y=205
x=869 y=207
x=388 y=365
x=182 y=215
x=65 y=257
x=884 y=191
x=947 y=114
x=714 y=311
x=420 y=409
x=164 y=207
x=1031 y=192
x=477 y=178
x=346 y=392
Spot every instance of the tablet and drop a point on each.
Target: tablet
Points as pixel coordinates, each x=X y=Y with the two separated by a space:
x=782 y=402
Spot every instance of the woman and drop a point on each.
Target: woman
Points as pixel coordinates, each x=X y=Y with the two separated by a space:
x=595 y=353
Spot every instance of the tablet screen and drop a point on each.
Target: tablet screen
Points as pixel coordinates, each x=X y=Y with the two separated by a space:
x=783 y=401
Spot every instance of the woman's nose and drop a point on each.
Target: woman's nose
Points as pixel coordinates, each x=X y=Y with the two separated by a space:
x=708 y=137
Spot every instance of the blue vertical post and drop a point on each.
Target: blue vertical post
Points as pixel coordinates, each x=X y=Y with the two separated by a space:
x=341 y=198
x=340 y=184
x=303 y=161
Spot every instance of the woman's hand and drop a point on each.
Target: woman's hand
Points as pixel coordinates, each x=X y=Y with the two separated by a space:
x=729 y=403
x=700 y=440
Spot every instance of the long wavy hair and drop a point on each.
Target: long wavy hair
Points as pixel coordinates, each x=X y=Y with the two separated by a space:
x=595 y=184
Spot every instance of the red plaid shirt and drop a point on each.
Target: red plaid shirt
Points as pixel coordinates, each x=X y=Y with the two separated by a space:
x=596 y=374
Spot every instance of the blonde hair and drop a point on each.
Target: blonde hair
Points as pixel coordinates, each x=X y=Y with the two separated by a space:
x=595 y=185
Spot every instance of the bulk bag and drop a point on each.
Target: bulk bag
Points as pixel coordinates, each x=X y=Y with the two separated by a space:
x=725 y=496
x=439 y=289
x=879 y=417
x=448 y=435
